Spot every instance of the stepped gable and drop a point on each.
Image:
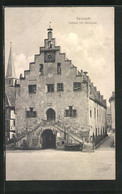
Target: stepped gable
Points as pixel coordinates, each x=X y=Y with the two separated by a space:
x=94 y=94
x=53 y=48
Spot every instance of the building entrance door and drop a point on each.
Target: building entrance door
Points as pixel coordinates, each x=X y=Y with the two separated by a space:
x=50 y=114
x=48 y=139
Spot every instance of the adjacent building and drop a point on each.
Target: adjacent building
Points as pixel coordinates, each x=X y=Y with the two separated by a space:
x=56 y=105
x=108 y=119
x=10 y=97
x=112 y=108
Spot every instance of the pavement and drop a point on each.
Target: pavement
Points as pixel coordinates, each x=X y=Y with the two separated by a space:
x=52 y=164
x=107 y=143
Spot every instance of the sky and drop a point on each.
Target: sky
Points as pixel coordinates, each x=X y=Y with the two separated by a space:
x=85 y=34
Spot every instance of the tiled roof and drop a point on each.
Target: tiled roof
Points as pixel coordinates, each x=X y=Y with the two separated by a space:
x=10 y=93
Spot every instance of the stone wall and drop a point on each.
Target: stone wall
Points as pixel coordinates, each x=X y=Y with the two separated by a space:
x=41 y=101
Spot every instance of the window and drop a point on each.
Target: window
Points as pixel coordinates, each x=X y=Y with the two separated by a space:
x=50 y=44
x=50 y=88
x=71 y=112
x=97 y=113
x=13 y=135
x=77 y=86
x=7 y=111
x=34 y=114
x=31 y=113
x=90 y=113
x=74 y=113
x=96 y=132
x=60 y=87
x=28 y=114
x=7 y=123
x=94 y=112
x=12 y=114
x=58 y=68
x=90 y=90
x=101 y=130
x=67 y=113
x=41 y=69
x=32 y=89
x=14 y=122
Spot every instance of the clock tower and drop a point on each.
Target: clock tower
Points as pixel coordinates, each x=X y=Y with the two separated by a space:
x=49 y=48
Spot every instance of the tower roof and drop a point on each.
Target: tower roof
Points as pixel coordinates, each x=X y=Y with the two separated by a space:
x=10 y=68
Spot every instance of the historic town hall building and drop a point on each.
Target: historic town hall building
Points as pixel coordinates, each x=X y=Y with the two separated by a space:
x=57 y=106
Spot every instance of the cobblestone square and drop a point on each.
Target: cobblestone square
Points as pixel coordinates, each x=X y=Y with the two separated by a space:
x=60 y=165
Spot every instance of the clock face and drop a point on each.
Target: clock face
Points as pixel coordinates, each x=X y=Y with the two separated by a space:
x=49 y=57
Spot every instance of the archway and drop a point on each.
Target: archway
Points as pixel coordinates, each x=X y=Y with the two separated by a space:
x=50 y=114
x=48 y=139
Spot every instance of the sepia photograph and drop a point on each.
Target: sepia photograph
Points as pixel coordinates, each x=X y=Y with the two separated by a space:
x=59 y=93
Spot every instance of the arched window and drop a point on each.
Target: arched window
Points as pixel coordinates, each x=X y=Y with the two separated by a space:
x=50 y=114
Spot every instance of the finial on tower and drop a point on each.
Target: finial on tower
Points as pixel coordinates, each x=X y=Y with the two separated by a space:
x=10 y=44
x=50 y=25
x=50 y=29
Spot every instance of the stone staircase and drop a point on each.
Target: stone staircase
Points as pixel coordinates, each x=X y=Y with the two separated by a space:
x=25 y=132
x=61 y=127
x=56 y=126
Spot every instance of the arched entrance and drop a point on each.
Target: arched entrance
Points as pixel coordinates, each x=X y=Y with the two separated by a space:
x=50 y=114
x=48 y=139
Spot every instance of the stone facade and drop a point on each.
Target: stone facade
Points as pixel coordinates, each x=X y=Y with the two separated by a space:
x=55 y=101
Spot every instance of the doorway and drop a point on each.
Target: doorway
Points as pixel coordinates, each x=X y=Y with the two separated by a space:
x=50 y=114
x=48 y=139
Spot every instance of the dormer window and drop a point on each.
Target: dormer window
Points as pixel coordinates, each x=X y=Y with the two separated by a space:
x=41 y=70
x=58 y=68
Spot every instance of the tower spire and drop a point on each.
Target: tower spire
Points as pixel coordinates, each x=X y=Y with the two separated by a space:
x=10 y=68
x=50 y=32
